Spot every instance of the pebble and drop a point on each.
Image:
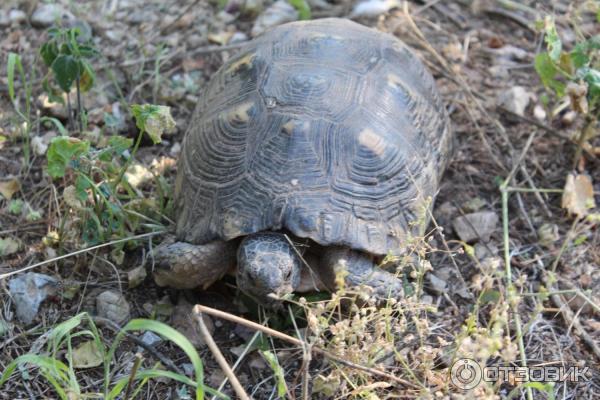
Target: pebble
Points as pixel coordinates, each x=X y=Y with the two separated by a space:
x=437 y=285
x=114 y=35
x=475 y=226
x=136 y=276
x=539 y=113
x=486 y=250
x=46 y=14
x=278 y=13
x=373 y=8
x=112 y=305
x=515 y=99
x=4 y=20
x=150 y=338
x=238 y=37
x=17 y=16
x=28 y=291
x=184 y=321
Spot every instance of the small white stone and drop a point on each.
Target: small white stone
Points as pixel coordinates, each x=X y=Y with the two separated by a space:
x=45 y=15
x=238 y=37
x=16 y=16
x=278 y=13
x=373 y=8
x=515 y=99
x=38 y=146
x=4 y=20
x=539 y=113
x=175 y=149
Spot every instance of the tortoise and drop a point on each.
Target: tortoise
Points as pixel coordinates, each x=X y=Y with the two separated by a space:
x=324 y=131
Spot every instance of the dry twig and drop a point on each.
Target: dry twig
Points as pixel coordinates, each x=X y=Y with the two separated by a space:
x=199 y=309
x=210 y=342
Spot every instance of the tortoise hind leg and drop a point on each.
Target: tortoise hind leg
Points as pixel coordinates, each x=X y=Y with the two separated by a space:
x=359 y=270
x=183 y=265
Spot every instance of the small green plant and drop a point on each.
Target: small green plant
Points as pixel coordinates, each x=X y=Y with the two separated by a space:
x=105 y=200
x=302 y=7
x=572 y=74
x=92 y=352
x=68 y=58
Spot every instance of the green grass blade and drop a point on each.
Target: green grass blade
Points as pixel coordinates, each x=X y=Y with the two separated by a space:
x=55 y=371
x=171 y=334
x=277 y=371
x=10 y=71
x=159 y=373
x=61 y=128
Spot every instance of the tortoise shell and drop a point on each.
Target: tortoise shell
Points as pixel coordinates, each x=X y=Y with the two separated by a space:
x=327 y=129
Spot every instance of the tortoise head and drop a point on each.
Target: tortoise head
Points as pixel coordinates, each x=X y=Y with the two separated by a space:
x=268 y=267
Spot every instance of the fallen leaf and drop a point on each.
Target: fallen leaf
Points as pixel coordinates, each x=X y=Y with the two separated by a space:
x=578 y=195
x=8 y=188
x=87 y=355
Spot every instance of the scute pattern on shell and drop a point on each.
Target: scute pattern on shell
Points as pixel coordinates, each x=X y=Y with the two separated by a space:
x=326 y=128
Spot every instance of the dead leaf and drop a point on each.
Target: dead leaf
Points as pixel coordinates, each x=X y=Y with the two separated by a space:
x=87 y=355
x=578 y=96
x=578 y=195
x=8 y=188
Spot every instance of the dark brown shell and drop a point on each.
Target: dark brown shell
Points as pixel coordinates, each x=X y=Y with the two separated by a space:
x=328 y=129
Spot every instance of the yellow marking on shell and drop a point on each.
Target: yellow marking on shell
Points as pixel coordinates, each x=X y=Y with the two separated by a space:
x=288 y=127
x=240 y=113
x=372 y=141
x=242 y=62
x=394 y=80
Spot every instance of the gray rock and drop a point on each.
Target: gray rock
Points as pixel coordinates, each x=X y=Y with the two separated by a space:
x=436 y=284
x=516 y=99
x=136 y=276
x=373 y=8
x=455 y=283
x=114 y=35
x=238 y=37
x=485 y=250
x=443 y=215
x=188 y=369
x=28 y=291
x=46 y=14
x=475 y=226
x=184 y=321
x=150 y=338
x=4 y=20
x=16 y=16
x=112 y=305
x=278 y=13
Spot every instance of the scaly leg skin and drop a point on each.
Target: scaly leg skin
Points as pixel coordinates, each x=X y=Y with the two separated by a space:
x=183 y=265
x=268 y=267
x=360 y=270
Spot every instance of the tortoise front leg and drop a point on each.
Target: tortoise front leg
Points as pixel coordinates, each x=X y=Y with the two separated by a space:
x=359 y=269
x=183 y=265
